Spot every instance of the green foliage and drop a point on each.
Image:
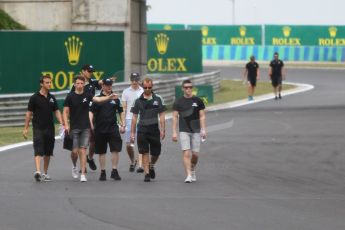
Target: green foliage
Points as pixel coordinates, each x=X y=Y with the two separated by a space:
x=7 y=23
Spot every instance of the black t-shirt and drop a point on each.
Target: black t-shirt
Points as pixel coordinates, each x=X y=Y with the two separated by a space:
x=79 y=105
x=189 y=116
x=252 y=69
x=277 y=66
x=148 y=110
x=42 y=108
x=105 y=115
x=90 y=87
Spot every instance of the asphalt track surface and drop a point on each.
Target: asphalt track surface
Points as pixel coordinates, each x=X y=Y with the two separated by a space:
x=273 y=165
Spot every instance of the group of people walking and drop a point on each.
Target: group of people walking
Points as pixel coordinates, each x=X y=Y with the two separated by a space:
x=95 y=122
x=276 y=73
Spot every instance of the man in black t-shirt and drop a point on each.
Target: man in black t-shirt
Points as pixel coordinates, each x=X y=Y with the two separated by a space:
x=251 y=75
x=189 y=110
x=91 y=85
x=277 y=74
x=106 y=129
x=41 y=106
x=147 y=108
x=76 y=110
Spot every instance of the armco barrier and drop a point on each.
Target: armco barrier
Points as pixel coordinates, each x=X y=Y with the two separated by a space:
x=14 y=106
x=265 y=53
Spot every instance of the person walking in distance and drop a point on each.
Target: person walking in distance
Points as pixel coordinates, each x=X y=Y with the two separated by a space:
x=76 y=110
x=41 y=107
x=151 y=129
x=129 y=95
x=106 y=130
x=277 y=74
x=251 y=75
x=189 y=113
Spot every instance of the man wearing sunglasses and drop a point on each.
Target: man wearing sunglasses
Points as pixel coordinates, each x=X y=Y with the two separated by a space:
x=189 y=110
x=147 y=108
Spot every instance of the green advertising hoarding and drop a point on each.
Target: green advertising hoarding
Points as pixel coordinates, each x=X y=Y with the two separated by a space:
x=174 y=51
x=305 y=35
x=165 y=26
x=205 y=92
x=25 y=56
x=229 y=35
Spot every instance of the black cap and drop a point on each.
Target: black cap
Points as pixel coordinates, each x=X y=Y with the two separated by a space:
x=107 y=81
x=88 y=68
x=135 y=77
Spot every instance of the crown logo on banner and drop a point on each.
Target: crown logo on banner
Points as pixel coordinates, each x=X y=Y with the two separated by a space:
x=162 y=41
x=286 y=31
x=204 y=31
x=195 y=91
x=167 y=27
x=243 y=31
x=332 y=31
x=73 y=47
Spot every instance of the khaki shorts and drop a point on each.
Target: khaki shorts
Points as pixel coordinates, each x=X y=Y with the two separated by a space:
x=190 y=141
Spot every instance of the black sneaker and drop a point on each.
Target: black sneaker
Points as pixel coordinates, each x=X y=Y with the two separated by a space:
x=152 y=172
x=280 y=96
x=131 y=168
x=147 y=178
x=103 y=176
x=37 y=176
x=92 y=164
x=115 y=174
x=140 y=170
x=276 y=98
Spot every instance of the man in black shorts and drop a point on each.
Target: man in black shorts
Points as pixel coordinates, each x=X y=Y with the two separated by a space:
x=277 y=74
x=251 y=75
x=76 y=110
x=41 y=106
x=189 y=110
x=150 y=130
x=106 y=129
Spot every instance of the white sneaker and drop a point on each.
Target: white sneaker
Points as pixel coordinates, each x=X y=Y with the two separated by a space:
x=193 y=176
x=188 y=179
x=83 y=178
x=46 y=178
x=75 y=173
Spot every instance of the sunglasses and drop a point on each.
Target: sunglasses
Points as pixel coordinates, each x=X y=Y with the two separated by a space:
x=188 y=87
x=147 y=87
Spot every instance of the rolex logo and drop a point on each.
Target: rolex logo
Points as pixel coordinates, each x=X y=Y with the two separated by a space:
x=195 y=91
x=162 y=41
x=204 y=31
x=332 y=31
x=243 y=31
x=167 y=27
x=286 y=31
x=73 y=47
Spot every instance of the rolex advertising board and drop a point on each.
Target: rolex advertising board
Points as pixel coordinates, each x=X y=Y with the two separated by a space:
x=174 y=51
x=229 y=35
x=26 y=56
x=165 y=27
x=305 y=35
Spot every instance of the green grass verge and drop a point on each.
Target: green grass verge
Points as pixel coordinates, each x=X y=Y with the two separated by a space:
x=230 y=91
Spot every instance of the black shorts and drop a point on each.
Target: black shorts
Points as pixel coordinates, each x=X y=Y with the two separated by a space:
x=252 y=81
x=44 y=141
x=276 y=81
x=103 y=139
x=149 y=142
